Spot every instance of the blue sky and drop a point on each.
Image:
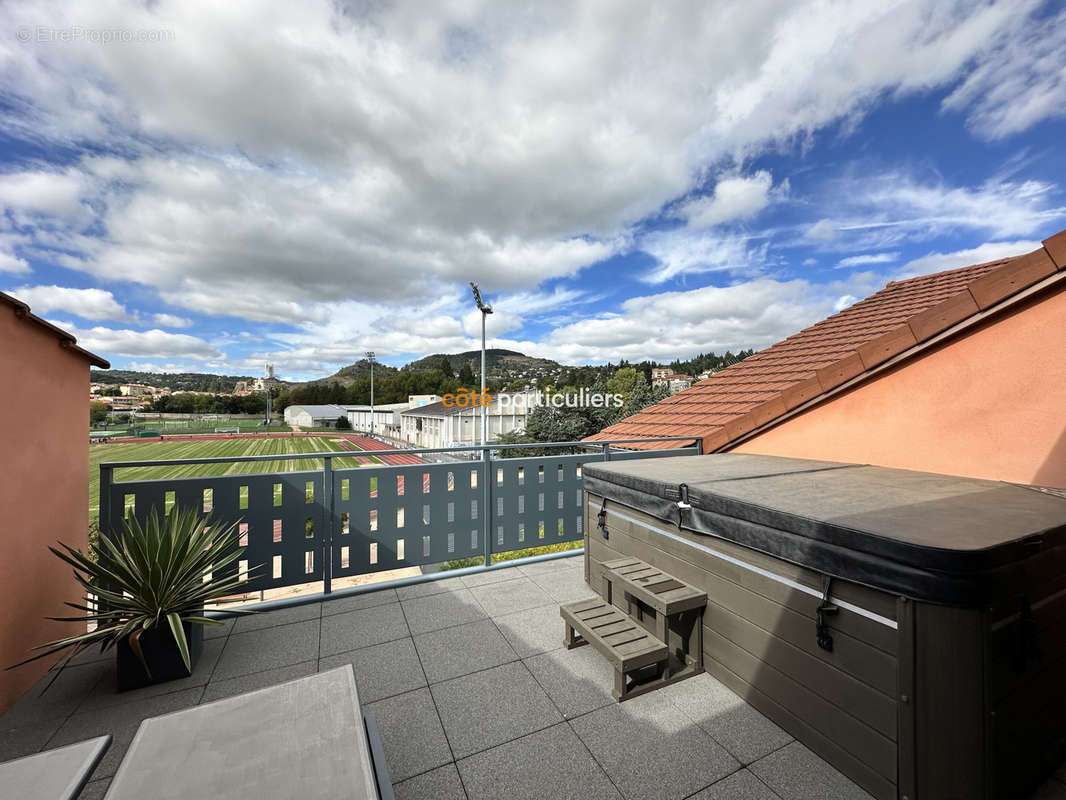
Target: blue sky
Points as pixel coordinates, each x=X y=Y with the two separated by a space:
x=210 y=187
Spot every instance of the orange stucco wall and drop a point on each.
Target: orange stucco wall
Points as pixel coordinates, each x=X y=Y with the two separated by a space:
x=989 y=405
x=44 y=466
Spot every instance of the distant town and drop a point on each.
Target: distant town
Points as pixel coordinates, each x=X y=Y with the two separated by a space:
x=408 y=406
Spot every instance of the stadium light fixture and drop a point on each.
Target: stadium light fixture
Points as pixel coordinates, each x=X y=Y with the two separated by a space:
x=370 y=358
x=485 y=311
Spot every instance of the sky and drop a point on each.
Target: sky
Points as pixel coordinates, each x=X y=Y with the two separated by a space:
x=203 y=186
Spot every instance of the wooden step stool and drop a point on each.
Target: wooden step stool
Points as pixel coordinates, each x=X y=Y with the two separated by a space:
x=657 y=640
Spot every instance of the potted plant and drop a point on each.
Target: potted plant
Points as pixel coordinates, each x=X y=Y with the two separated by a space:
x=146 y=591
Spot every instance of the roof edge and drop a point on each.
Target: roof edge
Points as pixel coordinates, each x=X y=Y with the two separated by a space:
x=66 y=340
x=980 y=299
x=732 y=438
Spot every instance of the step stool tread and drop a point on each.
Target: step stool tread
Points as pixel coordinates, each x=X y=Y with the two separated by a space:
x=658 y=589
x=625 y=643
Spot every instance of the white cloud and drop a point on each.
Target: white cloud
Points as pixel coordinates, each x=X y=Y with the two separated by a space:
x=43 y=191
x=680 y=324
x=989 y=251
x=270 y=158
x=171 y=321
x=153 y=343
x=867 y=258
x=1020 y=81
x=94 y=304
x=735 y=197
x=887 y=209
x=681 y=252
x=9 y=262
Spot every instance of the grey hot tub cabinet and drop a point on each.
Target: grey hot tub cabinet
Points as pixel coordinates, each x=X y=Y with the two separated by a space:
x=937 y=672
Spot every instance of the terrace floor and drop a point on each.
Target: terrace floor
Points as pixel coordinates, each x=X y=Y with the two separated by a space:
x=475 y=698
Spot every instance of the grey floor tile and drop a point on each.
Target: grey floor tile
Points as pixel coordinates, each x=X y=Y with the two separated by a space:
x=429 y=588
x=535 y=630
x=565 y=586
x=411 y=733
x=69 y=689
x=354 y=629
x=552 y=567
x=219 y=631
x=105 y=692
x=338 y=605
x=795 y=773
x=218 y=689
x=282 y=616
x=578 y=681
x=381 y=670
x=741 y=785
x=735 y=725
x=452 y=652
x=443 y=610
x=492 y=576
x=548 y=764
x=121 y=722
x=268 y=648
x=508 y=597
x=440 y=784
x=95 y=790
x=92 y=655
x=491 y=707
x=27 y=739
x=652 y=751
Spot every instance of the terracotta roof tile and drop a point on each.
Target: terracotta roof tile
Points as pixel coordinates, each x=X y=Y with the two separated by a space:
x=767 y=384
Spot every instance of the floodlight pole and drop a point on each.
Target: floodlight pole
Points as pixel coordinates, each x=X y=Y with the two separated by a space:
x=370 y=357
x=485 y=311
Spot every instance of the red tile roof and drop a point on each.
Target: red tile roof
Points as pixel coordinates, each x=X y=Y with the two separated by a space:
x=772 y=382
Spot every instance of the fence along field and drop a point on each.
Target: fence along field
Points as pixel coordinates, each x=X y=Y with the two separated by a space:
x=212 y=448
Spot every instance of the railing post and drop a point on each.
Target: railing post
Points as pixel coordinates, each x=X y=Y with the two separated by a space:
x=607 y=452
x=487 y=512
x=103 y=522
x=327 y=533
x=699 y=446
x=104 y=499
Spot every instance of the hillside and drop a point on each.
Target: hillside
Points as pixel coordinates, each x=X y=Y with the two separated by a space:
x=175 y=381
x=346 y=376
x=503 y=365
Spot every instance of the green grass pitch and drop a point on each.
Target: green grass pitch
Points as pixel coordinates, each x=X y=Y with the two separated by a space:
x=211 y=448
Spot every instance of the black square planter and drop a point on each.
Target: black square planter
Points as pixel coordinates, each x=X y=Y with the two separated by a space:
x=161 y=654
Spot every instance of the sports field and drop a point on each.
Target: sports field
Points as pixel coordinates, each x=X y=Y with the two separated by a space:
x=211 y=448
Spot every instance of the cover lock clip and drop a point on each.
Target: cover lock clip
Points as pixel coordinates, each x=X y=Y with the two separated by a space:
x=825 y=640
x=601 y=519
x=683 y=504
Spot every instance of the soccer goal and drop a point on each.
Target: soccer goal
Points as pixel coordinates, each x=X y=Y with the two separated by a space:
x=168 y=424
x=227 y=430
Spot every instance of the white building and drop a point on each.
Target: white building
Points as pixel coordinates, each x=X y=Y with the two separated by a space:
x=314 y=416
x=386 y=418
x=438 y=425
x=419 y=400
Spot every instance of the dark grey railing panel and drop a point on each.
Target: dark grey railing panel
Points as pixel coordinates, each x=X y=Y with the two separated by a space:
x=537 y=501
x=281 y=518
x=374 y=518
x=406 y=516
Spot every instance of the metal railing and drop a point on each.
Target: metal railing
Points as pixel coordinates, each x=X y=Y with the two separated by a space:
x=318 y=525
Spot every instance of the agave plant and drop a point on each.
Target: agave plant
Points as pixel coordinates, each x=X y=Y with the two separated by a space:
x=161 y=574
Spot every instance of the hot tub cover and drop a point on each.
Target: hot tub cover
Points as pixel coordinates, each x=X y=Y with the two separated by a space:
x=938 y=538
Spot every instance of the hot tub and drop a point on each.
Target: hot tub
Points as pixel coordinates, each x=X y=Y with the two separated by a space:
x=908 y=627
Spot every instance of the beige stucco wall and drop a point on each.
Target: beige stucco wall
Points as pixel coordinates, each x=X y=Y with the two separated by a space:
x=989 y=405
x=44 y=462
